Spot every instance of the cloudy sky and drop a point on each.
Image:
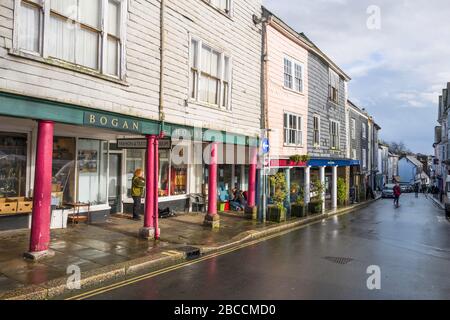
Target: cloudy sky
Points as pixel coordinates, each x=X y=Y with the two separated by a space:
x=398 y=65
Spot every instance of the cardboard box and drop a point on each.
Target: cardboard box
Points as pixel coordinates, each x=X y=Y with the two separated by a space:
x=25 y=206
x=8 y=208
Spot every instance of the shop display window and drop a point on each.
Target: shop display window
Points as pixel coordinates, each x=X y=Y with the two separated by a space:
x=172 y=178
x=135 y=160
x=63 y=170
x=92 y=171
x=178 y=180
x=164 y=166
x=13 y=164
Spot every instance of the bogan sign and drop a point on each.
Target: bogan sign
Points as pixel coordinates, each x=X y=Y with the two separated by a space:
x=112 y=122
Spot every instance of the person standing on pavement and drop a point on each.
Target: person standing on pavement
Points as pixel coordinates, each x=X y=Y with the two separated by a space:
x=397 y=194
x=416 y=190
x=137 y=192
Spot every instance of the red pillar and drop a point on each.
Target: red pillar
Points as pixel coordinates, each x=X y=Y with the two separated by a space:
x=212 y=182
x=212 y=218
x=40 y=225
x=149 y=183
x=252 y=178
x=156 y=191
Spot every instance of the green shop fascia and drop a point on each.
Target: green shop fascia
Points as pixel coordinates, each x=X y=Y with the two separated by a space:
x=86 y=160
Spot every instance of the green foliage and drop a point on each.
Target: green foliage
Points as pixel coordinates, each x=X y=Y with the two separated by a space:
x=299 y=158
x=317 y=188
x=343 y=191
x=278 y=181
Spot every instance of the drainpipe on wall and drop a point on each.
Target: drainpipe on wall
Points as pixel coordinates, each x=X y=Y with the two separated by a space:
x=264 y=113
x=162 y=64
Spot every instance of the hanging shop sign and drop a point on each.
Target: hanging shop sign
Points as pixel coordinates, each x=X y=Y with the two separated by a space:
x=142 y=144
x=112 y=122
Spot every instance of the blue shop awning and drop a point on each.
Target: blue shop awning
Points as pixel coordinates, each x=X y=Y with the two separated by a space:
x=333 y=163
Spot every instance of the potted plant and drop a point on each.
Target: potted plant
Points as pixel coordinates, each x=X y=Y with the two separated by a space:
x=315 y=206
x=299 y=158
x=277 y=211
x=297 y=201
x=342 y=192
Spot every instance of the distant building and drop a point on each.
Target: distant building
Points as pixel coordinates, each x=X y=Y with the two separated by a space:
x=392 y=167
x=383 y=165
x=411 y=171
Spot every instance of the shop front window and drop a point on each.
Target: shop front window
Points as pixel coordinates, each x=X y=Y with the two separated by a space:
x=92 y=171
x=179 y=180
x=164 y=164
x=172 y=177
x=63 y=171
x=135 y=160
x=13 y=164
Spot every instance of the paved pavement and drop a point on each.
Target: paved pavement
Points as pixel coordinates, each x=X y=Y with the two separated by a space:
x=92 y=247
x=327 y=260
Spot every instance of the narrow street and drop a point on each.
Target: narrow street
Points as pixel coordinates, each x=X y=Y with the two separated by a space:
x=411 y=245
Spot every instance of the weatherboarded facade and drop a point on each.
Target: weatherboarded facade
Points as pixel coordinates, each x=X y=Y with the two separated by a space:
x=92 y=70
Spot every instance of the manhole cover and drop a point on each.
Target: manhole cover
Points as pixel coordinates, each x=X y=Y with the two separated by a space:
x=339 y=260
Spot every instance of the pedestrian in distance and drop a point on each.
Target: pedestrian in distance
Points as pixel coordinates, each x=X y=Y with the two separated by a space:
x=416 y=190
x=397 y=194
x=137 y=192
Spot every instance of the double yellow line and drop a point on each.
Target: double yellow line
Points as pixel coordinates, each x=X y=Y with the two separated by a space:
x=127 y=282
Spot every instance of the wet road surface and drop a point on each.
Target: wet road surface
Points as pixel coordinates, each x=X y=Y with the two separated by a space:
x=411 y=245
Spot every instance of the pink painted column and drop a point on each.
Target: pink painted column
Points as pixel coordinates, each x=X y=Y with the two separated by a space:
x=149 y=183
x=212 y=182
x=40 y=224
x=156 y=191
x=251 y=202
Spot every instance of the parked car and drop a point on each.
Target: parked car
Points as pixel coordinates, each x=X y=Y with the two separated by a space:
x=406 y=188
x=388 y=191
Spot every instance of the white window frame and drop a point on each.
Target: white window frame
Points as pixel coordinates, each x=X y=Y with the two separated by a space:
x=338 y=131
x=364 y=130
x=364 y=158
x=333 y=88
x=194 y=74
x=292 y=73
x=354 y=157
x=227 y=10
x=353 y=128
x=44 y=27
x=287 y=130
x=316 y=144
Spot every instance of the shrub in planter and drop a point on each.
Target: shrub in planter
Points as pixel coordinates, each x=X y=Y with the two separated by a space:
x=343 y=192
x=298 y=210
x=276 y=214
x=315 y=206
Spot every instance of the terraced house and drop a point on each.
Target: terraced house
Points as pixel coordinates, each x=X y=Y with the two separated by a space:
x=91 y=90
x=305 y=101
x=358 y=142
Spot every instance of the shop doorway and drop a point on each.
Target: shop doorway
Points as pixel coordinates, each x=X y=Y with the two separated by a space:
x=115 y=182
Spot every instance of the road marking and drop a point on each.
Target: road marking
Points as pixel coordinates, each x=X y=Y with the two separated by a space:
x=153 y=274
x=167 y=254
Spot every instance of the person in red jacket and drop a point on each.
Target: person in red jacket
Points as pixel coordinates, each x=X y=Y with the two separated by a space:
x=397 y=194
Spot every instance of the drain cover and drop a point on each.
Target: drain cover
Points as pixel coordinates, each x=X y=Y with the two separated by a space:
x=339 y=260
x=191 y=252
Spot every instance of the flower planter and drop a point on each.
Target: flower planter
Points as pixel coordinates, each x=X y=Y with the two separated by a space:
x=315 y=207
x=298 y=210
x=275 y=214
